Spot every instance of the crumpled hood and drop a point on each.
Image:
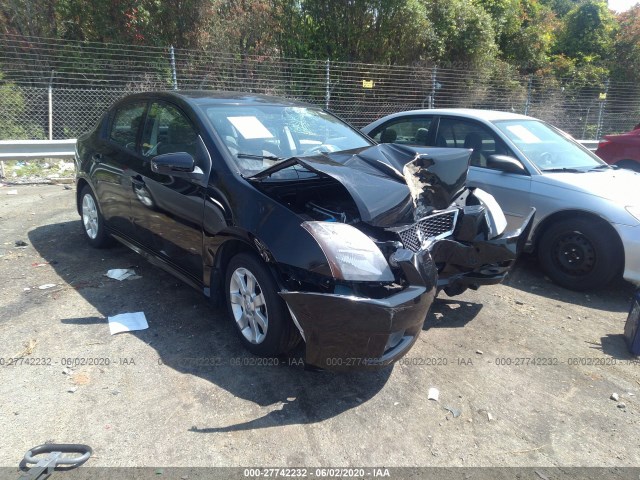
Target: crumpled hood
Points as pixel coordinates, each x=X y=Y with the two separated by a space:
x=619 y=185
x=377 y=180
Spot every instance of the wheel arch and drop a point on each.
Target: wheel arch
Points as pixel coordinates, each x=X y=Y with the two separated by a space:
x=81 y=183
x=544 y=225
x=222 y=257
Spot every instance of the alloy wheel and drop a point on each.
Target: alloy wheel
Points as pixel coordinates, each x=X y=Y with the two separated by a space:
x=90 y=216
x=248 y=305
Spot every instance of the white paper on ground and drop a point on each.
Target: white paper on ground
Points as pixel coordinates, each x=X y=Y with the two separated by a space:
x=433 y=394
x=120 y=273
x=127 y=322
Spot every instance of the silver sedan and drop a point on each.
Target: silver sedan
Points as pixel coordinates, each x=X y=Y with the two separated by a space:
x=587 y=223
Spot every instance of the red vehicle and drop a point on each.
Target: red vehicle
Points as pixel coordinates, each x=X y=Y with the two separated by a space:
x=622 y=150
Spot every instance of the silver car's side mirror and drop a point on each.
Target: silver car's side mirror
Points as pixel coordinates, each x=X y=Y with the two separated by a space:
x=506 y=164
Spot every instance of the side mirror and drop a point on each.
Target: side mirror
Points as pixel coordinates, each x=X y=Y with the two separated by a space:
x=173 y=164
x=506 y=164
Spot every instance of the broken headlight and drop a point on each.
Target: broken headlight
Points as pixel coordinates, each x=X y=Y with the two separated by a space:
x=351 y=254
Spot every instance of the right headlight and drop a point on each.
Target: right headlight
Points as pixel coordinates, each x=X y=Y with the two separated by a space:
x=351 y=254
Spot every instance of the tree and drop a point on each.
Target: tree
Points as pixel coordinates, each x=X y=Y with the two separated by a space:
x=626 y=63
x=524 y=31
x=588 y=33
x=463 y=32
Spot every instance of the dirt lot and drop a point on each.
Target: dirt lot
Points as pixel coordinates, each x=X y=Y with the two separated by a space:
x=513 y=359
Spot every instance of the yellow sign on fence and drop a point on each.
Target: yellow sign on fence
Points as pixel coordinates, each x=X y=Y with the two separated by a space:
x=367 y=83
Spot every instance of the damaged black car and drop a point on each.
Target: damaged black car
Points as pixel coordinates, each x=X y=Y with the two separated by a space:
x=303 y=226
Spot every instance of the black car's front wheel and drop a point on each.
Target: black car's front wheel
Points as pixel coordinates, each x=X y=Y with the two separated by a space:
x=92 y=220
x=259 y=314
x=579 y=254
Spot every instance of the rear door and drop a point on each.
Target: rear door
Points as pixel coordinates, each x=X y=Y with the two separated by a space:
x=112 y=161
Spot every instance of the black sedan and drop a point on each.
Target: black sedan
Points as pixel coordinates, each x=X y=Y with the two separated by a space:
x=305 y=227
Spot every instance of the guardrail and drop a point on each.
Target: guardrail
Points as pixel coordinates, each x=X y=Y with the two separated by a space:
x=590 y=144
x=32 y=149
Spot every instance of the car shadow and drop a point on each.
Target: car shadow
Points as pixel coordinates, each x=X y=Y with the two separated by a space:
x=195 y=338
x=528 y=277
x=451 y=313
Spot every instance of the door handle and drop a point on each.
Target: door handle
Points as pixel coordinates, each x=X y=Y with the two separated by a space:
x=97 y=157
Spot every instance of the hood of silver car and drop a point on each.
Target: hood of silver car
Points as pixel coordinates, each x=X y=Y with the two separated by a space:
x=618 y=185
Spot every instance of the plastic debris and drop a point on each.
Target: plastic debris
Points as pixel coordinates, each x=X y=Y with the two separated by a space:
x=46 y=286
x=12 y=192
x=72 y=389
x=454 y=411
x=21 y=243
x=479 y=352
x=489 y=416
x=433 y=394
x=122 y=274
x=622 y=405
x=615 y=397
x=127 y=322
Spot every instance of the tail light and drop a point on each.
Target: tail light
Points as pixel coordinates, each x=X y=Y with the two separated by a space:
x=603 y=143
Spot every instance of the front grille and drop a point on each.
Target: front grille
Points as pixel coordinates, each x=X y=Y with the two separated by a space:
x=439 y=225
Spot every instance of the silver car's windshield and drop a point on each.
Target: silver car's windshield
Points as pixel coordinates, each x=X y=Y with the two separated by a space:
x=257 y=136
x=547 y=147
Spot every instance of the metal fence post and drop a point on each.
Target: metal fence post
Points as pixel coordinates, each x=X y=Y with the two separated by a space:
x=529 y=88
x=434 y=84
x=603 y=104
x=172 y=58
x=327 y=94
x=50 y=92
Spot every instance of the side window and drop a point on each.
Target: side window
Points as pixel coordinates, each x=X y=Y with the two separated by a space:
x=167 y=130
x=125 y=125
x=408 y=131
x=455 y=133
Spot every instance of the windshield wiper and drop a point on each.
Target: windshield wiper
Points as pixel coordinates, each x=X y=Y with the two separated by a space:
x=602 y=167
x=562 y=169
x=258 y=157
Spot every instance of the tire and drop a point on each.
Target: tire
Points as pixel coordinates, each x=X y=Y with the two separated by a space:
x=92 y=220
x=260 y=316
x=579 y=254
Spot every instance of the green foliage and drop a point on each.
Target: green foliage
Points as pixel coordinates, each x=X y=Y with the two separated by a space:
x=626 y=64
x=588 y=33
x=463 y=32
x=12 y=109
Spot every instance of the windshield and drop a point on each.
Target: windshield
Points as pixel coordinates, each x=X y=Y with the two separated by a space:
x=257 y=136
x=547 y=147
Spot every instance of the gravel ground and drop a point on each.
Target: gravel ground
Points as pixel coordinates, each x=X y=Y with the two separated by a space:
x=526 y=370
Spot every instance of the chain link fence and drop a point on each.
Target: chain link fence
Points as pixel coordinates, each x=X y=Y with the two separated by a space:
x=81 y=79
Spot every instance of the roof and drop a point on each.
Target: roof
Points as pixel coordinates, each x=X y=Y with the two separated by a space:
x=210 y=97
x=487 y=115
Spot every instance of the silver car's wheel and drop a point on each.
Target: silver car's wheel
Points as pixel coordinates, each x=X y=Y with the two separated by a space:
x=580 y=253
x=248 y=305
x=90 y=216
x=259 y=314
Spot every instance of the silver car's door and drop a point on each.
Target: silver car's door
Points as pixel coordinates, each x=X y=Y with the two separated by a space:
x=512 y=191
